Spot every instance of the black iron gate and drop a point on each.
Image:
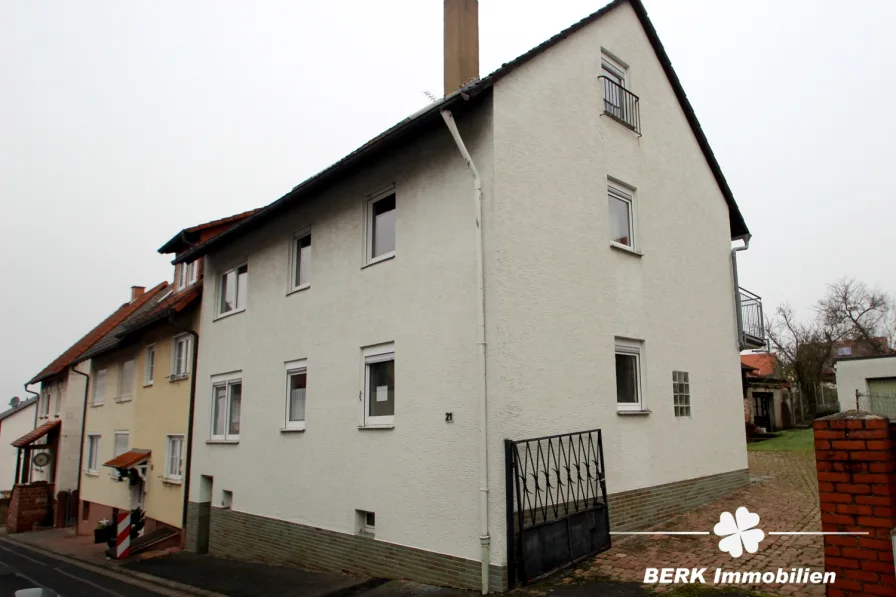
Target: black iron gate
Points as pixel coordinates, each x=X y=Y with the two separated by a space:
x=556 y=503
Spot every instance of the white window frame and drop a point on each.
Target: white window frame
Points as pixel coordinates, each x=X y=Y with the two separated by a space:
x=614 y=66
x=369 y=259
x=292 y=368
x=58 y=399
x=238 y=308
x=126 y=394
x=226 y=380
x=93 y=452
x=149 y=365
x=45 y=397
x=188 y=357
x=634 y=348
x=99 y=387
x=171 y=475
x=370 y=355
x=187 y=274
x=127 y=447
x=294 y=261
x=681 y=396
x=626 y=194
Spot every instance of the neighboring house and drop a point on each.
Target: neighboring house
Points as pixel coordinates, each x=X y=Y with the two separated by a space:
x=767 y=401
x=14 y=423
x=867 y=383
x=60 y=411
x=136 y=430
x=370 y=339
x=857 y=347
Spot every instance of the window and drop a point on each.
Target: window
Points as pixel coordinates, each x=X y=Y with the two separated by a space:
x=58 y=398
x=301 y=261
x=296 y=383
x=628 y=375
x=621 y=216
x=379 y=385
x=227 y=396
x=186 y=274
x=93 y=452
x=121 y=443
x=366 y=522
x=99 y=388
x=173 y=461
x=614 y=74
x=234 y=285
x=381 y=227
x=45 y=401
x=181 y=356
x=126 y=380
x=149 y=365
x=681 y=393
x=844 y=351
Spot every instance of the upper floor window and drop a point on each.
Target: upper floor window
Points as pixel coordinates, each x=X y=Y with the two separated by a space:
x=301 y=261
x=187 y=274
x=622 y=215
x=99 y=387
x=122 y=438
x=227 y=399
x=181 y=356
x=126 y=380
x=233 y=288
x=58 y=398
x=619 y=102
x=45 y=401
x=381 y=227
x=149 y=365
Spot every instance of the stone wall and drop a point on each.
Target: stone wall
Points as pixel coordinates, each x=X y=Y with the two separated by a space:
x=30 y=504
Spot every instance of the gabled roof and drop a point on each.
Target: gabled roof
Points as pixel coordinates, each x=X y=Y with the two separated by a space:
x=188 y=237
x=425 y=119
x=36 y=433
x=18 y=408
x=77 y=349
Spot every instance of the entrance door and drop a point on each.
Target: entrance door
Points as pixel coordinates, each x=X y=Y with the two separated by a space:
x=762 y=416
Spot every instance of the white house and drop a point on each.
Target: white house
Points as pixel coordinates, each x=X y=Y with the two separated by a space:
x=867 y=383
x=14 y=423
x=546 y=250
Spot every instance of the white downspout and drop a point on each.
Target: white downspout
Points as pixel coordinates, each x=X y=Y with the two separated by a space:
x=737 y=305
x=484 y=539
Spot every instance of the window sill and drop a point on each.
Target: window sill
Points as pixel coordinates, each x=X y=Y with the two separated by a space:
x=147 y=385
x=365 y=534
x=292 y=429
x=229 y=313
x=95 y=404
x=376 y=427
x=381 y=258
x=633 y=413
x=170 y=481
x=626 y=249
x=121 y=399
x=179 y=377
x=91 y=473
x=298 y=289
x=222 y=441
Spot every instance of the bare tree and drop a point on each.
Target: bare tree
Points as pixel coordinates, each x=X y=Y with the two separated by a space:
x=852 y=310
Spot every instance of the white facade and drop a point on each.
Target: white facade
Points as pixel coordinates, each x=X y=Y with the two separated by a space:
x=12 y=428
x=558 y=300
x=853 y=375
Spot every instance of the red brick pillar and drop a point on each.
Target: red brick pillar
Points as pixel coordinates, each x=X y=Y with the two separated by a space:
x=855 y=455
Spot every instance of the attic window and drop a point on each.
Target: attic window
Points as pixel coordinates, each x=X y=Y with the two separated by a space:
x=844 y=351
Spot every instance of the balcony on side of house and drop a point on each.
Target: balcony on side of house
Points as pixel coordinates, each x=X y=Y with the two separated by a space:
x=621 y=105
x=752 y=320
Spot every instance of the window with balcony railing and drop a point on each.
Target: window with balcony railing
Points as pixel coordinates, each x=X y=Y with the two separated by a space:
x=620 y=103
x=752 y=321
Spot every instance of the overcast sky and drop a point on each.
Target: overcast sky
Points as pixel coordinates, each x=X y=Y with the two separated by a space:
x=123 y=122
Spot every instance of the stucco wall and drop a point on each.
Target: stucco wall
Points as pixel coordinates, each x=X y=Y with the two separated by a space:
x=72 y=415
x=853 y=374
x=105 y=420
x=12 y=428
x=558 y=295
x=420 y=478
x=162 y=409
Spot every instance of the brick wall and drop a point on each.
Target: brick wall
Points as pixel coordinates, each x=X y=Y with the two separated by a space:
x=28 y=506
x=855 y=454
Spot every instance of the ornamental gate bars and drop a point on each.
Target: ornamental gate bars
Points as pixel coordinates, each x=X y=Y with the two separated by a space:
x=556 y=503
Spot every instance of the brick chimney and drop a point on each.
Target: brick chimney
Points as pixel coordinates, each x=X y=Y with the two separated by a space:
x=461 y=43
x=137 y=292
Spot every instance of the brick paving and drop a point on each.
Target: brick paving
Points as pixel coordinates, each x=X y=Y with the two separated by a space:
x=783 y=491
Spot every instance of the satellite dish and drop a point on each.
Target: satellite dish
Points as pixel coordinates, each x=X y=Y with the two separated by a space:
x=15 y=401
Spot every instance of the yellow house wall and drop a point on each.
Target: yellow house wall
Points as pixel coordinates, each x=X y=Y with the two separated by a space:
x=162 y=409
x=105 y=419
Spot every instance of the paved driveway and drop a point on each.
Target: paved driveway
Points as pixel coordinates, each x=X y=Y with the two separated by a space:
x=783 y=492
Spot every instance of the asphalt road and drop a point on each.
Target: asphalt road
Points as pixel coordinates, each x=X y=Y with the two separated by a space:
x=21 y=568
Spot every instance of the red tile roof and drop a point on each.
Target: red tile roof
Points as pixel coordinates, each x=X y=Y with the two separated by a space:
x=129 y=459
x=36 y=433
x=765 y=363
x=179 y=241
x=94 y=335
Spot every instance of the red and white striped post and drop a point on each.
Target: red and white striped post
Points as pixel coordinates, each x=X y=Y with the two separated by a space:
x=123 y=536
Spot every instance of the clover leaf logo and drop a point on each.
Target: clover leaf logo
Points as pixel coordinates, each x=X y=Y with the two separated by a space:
x=740 y=533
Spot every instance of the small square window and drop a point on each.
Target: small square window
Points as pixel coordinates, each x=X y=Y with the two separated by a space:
x=301 y=261
x=620 y=203
x=226 y=499
x=366 y=522
x=381 y=227
x=681 y=393
x=628 y=375
x=233 y=289
x=379 y=385
x=296 y=385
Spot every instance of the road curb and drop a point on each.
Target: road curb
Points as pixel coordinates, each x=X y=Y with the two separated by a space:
x=115 y=571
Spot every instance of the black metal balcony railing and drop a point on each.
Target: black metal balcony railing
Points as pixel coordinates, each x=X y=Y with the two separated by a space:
x=752 y=319
x=621 y=104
